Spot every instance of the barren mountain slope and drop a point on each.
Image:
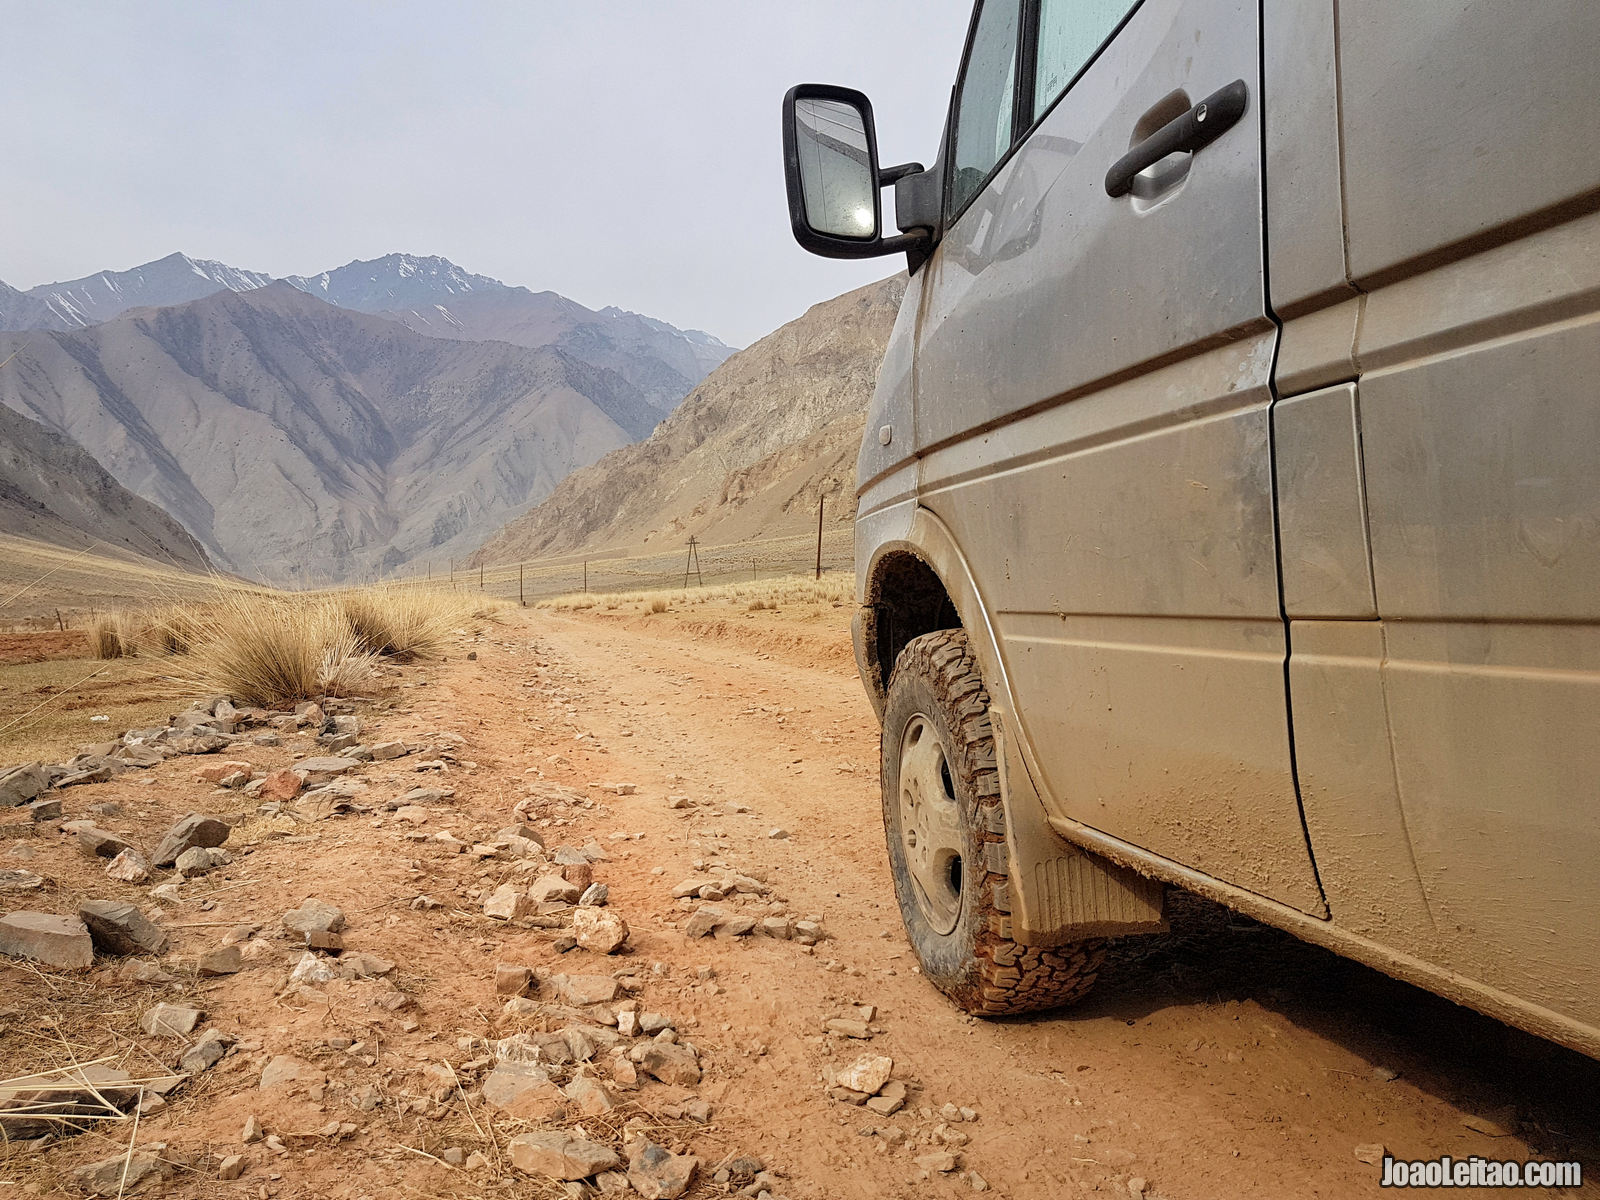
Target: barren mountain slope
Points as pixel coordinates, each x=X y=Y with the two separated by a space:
x=434 y=296
x=744 y=456
x=299 y=441
x=52 y=490
x=175 y=279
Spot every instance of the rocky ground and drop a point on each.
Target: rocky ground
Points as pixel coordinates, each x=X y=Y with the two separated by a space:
x=598 y=906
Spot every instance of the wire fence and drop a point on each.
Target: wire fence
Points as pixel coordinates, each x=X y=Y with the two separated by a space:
x=681 y=565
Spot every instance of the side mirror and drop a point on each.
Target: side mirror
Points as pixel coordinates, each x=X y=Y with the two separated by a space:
x=830 y=164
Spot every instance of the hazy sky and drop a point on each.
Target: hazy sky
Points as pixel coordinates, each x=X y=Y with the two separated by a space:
x=618 y=153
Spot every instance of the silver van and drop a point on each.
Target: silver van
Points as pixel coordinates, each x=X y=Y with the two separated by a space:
x=1229 y=510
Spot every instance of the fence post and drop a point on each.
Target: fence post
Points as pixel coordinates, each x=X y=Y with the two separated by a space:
x=820 y=499
x=521 y=599
x=586 y=577
x=480 y=577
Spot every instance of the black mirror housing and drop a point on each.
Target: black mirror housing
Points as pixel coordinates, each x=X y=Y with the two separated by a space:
x=832 y=242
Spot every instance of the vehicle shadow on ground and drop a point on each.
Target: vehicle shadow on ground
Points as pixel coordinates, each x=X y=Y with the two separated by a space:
x=1473 y=1062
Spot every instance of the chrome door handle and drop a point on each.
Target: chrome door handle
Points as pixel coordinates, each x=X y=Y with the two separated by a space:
x=1199 y=127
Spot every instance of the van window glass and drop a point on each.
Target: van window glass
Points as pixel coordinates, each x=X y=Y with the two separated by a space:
x=984 y=111
x=1070 y=31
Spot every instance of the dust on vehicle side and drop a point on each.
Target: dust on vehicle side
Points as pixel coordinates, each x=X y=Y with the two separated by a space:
x=1229 y=510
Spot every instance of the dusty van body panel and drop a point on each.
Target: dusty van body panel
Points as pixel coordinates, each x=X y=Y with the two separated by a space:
x=1271 y=502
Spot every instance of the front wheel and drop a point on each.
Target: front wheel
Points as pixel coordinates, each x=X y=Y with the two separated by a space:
x=946 y=829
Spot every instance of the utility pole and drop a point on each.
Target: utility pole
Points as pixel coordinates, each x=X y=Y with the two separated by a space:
x=692 y=564
x=752 y=570
x=586 y=577
x=452 y=572
x=521 y=599
x=820 y=499
x=480 y=577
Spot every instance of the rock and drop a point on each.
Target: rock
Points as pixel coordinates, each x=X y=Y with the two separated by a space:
x=775 y=927
x=523 y=1090
x=47 y=809
x=99 y=843
x=628 y=1023
x=20 y=785
x=281 y=785
x=194 y=830
x=128 y=867
x=312 y=968
x=939 y=1162
x=553 y=889
x=778 y=833
x=231 y=1167
x=891 y=1098
x=1371 y=1153
x=314 y=916
x=704 y=920
x=599 y=929
x=867 y=1074
x=596 y=895
x=658 y=1174
x=581 y=990
x=847 y=1028
x=589 y=1094
x=284 y=1069
x=20 y=881
x=384 y=751
x=216 y=772
x=734 y=925
x=653 y=1022
x=197 y=860
x=507 y=902
x=54 y=940
x=308 y=714
x=511 y=980
x=225 y=960
x=321 y=770
x=206 y=1053
x=252 y=1131
x=170 y=1020
x=559 y=1155
x=807 y=933
x=120 y=928
x=670 y=1063
x=123 y=1175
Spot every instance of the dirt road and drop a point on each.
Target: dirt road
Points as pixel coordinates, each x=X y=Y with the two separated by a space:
x=1223 y=1060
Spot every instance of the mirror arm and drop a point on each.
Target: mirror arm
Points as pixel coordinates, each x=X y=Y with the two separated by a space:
x=916 y=239
x=889 y=175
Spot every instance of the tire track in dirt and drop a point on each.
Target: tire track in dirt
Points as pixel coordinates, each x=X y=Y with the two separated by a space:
x=1226 y=1059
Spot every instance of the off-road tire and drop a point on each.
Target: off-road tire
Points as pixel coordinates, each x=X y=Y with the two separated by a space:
x=975 y=963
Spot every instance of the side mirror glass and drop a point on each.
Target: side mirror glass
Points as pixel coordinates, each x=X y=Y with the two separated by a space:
x=837 y=166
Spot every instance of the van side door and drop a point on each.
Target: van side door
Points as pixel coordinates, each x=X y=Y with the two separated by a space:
x=1092 y=410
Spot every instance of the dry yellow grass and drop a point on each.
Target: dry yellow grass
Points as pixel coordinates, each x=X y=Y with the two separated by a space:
x=835 y=587
x=406 y=622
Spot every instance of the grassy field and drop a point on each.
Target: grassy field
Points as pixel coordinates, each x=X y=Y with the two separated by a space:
x=39 y=581
x=834 y=588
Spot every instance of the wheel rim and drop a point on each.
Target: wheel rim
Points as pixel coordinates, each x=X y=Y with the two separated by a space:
x=931 y=832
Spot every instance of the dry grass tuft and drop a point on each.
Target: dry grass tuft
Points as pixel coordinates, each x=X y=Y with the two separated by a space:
x=108 y=637
x=835 y=587
x=407 y=622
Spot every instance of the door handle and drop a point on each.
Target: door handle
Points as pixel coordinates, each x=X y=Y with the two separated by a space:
x=1199 y=127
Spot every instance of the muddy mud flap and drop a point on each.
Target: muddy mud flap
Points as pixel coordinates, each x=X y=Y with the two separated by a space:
x=1060 y=893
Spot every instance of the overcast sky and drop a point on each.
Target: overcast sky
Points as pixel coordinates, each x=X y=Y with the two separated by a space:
x=618 y=153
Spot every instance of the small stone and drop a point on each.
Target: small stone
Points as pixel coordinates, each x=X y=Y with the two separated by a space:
x=312 y=969
x=19 y=785
x=193 y=831
x=98 y=843
x=523 y=1090
x=384 y=751
x=670 y=1063
x=589 y=1094
x=1371 y=1153
x=284 y=1069
x=282 y=785
x=867 y=1074
x=553 y=889
x=314 y=914
x=231 y=1167
x=170 y=1020
x=583 y=990
x=599 y=930
x=939 y=1162
x=507 y=902
x=122 y=1175
x=128 y=867
x=322 y=770
x=20 y=881
x=120 y=928
x=252 y=1130
x=511 y=980
x=54 y=940
x=559 y=1155
x=215 y=773
x=1136 y=1186
x=891 y=1098
x=979 y=1184
x=594 y=896
x=453 y=1155
x=204 y=1054
x=778 y=833
x=198 y=860
x=47 y=809
x=225 y=960
x=326 y=941
x=658 y=1174
x=704 y=921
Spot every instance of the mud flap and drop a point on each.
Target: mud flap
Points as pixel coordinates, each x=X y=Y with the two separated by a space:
x=1060 y=893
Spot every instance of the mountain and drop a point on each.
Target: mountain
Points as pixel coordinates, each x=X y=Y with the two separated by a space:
x=434 y=296
x=52 y=490
x=175 y=279
x=746 y=455
x=18 y=310
x=299 y=441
